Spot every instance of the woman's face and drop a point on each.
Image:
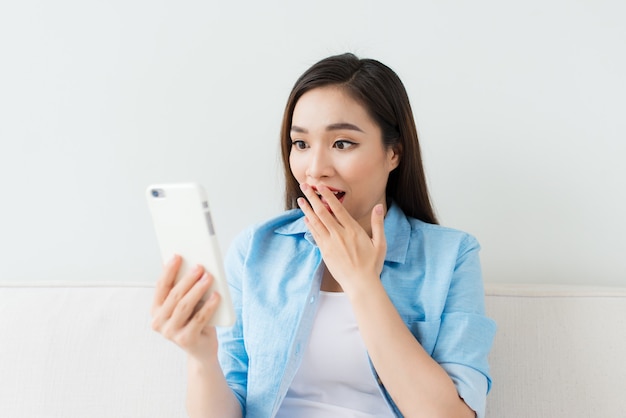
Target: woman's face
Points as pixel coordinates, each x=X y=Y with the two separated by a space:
x=337 y=144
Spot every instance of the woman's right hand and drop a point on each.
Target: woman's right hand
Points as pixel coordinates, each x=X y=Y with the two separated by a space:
x=174 y=312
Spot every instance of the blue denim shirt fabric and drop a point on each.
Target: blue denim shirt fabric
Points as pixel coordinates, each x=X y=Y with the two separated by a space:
x=432 y=275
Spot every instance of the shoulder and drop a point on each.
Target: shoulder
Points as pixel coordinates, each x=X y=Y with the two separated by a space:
x=267 y=249
x=290 y=222
x=408 y=236
x=285 y=223
x=442 y=233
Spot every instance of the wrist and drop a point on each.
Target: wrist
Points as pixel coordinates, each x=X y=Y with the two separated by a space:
x=364 y=288
x=199 y=366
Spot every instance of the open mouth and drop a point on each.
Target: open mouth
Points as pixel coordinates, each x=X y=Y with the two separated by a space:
x=338 y=194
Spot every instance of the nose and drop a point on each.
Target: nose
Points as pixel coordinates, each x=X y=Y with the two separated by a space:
x=319 y=163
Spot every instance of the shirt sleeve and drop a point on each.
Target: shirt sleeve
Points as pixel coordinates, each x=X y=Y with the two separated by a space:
x=470 y=384
x=232 y=353
x=466 y=334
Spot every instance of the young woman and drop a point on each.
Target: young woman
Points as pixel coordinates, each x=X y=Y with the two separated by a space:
x=354 y=302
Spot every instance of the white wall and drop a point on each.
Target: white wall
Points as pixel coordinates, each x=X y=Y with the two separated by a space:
x=520 y=106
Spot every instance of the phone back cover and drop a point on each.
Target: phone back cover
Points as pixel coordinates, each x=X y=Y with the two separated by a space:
x=183 y=226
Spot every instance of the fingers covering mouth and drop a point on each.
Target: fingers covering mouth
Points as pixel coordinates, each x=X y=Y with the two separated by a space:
x=338 y=193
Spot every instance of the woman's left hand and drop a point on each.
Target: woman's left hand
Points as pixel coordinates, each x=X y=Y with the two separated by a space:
x=350 y=255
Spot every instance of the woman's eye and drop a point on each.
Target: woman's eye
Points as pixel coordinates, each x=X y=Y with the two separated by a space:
x=343 y=144
x=299 y=144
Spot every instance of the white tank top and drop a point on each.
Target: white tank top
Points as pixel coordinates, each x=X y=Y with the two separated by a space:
x=335 y=378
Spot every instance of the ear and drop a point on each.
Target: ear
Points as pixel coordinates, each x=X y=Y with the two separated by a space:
x=394 y=154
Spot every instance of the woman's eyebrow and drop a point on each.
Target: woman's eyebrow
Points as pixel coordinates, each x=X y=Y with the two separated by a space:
x=343 y=126
x=298 y=129
x=332 y=127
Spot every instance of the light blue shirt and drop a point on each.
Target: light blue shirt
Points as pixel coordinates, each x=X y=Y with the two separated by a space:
x=432 y=275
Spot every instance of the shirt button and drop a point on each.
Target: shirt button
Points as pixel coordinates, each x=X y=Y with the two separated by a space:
x=312 y=299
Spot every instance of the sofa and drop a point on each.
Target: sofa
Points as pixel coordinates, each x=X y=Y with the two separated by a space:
x=87 y=350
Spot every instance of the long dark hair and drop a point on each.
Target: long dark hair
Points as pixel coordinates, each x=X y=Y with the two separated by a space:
x=379 y=89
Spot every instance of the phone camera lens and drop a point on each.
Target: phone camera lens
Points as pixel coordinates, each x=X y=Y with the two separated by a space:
x=157 y=193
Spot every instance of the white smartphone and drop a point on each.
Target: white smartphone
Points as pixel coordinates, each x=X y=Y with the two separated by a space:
x=183 y=225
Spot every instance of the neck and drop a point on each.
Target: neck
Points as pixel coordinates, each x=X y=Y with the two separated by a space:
x=329 y=284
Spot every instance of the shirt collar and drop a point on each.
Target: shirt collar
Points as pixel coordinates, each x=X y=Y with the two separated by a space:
x=397 y=233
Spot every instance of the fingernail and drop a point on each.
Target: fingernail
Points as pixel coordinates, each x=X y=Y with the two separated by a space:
x=379 y=209
x=204 y=278
x=304 y=187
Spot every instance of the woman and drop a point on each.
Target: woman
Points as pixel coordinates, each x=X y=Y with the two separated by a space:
x=354 y=302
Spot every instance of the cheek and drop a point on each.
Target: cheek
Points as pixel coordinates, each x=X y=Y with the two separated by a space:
x=368 y=169
x=371 y=177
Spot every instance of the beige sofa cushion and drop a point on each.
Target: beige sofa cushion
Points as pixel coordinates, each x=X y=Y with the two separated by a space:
x=85 y=351
x=559 y=351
